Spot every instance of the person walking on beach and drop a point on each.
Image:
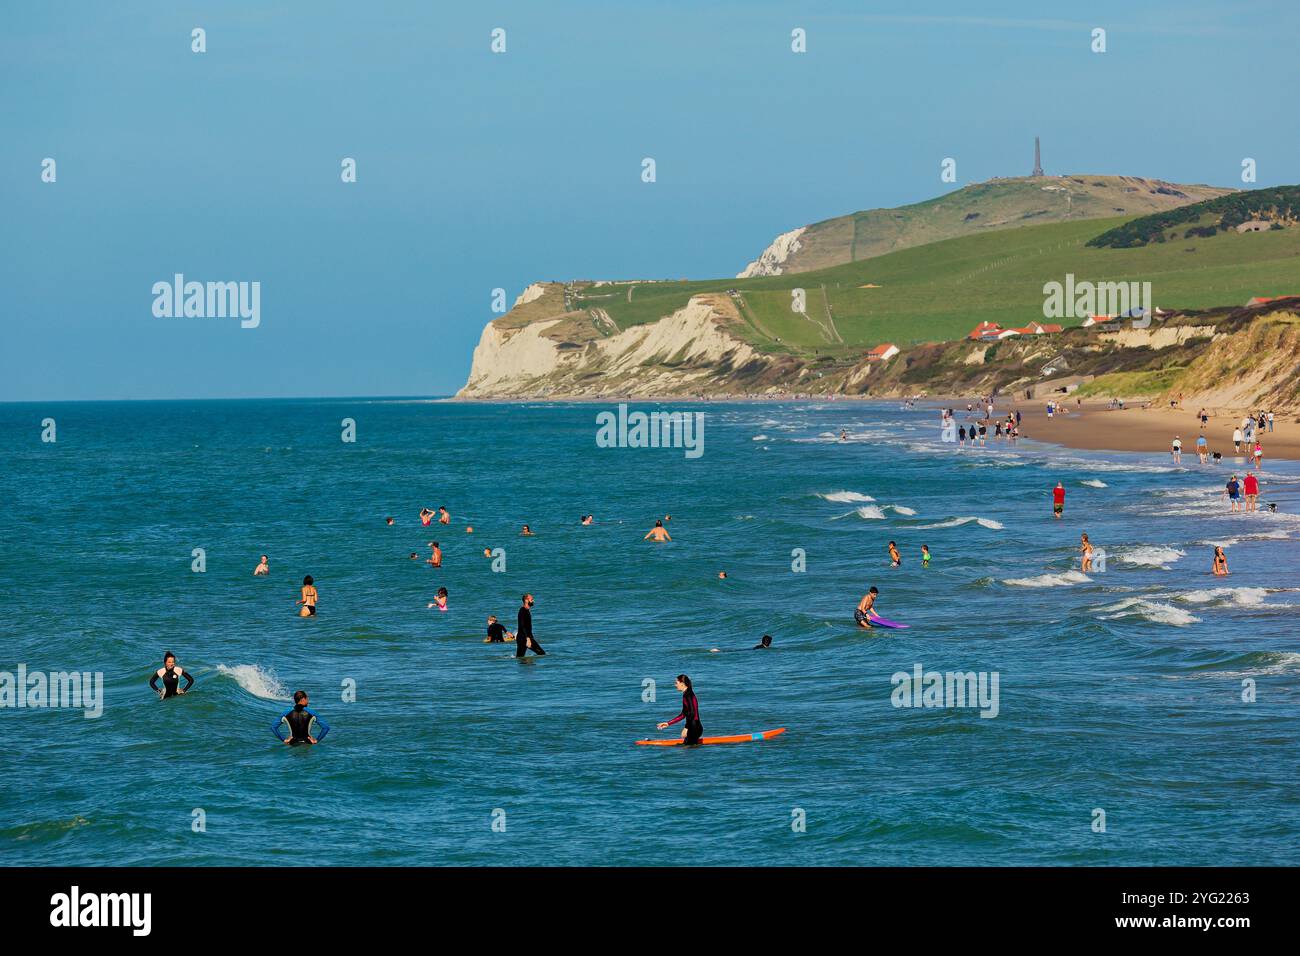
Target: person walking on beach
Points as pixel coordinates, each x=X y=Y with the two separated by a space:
x=170 y=675
x=693 y=730
x=1202 y=448
x=1236 y=440
x=1220 y=561
x=524 y=630
x=1232 y=491
x=309 y=598
x=1177 y=450
x=1270 y=421
x=1259 y=457
x=1251 y=490
x=1058 y=500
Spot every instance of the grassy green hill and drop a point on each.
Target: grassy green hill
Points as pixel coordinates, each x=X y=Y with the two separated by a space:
x=941 y=290
x=1279 y=206
x=985 y=207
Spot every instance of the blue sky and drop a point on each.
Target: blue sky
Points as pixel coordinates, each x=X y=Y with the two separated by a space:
x=478 y=171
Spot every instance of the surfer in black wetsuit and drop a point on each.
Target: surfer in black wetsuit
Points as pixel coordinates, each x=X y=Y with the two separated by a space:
x=693 y=730
x=763 y=644
x=170 y=675
x=299 y=719
x=524 y=631
x=496 y=632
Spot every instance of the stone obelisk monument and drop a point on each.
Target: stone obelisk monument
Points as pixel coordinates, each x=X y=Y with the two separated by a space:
x=1038 y=161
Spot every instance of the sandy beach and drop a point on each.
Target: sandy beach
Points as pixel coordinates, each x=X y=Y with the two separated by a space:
x=1096 y=426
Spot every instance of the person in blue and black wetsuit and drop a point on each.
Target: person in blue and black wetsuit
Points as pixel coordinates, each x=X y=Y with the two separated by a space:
x=299 y=720
x=693 y=730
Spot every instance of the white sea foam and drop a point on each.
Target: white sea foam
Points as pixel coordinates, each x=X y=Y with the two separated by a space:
x=1152 y=557
x=256 y=680
x=1094 y=483
x=1149 y=610
x=1238 y=597
x=900 y=509
x=869 y=511
x=1061 y=579
x=759 y=438
x=955 y=522
x=1087 y=464
x=846 y=496
x=1276 y=535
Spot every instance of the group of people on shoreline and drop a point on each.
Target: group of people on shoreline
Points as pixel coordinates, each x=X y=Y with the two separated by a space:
x=981 y=418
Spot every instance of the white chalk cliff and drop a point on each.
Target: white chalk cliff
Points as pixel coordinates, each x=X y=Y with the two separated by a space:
x=774 y=256
x=573 y=353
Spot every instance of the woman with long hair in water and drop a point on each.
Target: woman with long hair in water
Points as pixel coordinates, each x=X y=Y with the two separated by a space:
x=693 y=730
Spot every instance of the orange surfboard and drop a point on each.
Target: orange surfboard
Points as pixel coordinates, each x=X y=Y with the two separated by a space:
x=734 y=739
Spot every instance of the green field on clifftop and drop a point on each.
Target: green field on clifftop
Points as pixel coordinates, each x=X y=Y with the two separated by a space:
x=940 y=291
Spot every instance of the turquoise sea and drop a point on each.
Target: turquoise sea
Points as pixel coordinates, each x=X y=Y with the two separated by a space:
x=1120 y=691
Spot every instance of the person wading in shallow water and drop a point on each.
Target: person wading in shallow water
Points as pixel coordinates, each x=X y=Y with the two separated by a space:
x=299 y=721
x=170 y=675
x=524 y=630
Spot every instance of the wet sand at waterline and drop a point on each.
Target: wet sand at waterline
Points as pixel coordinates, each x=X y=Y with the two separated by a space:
x=1098 y=427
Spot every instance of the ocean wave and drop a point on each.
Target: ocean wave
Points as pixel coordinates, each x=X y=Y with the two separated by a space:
x=846 y=496
x=257 y=680
x=1231 y=597
x=1094 y=483
x=1051 y=580
x=1149 y=610
x=1152 y=557
x=759 y=438
x=1277 y=535
x=900 y=509
x=871 y=512
x=1088 y=464
x=1254 y=664
x=956 y=522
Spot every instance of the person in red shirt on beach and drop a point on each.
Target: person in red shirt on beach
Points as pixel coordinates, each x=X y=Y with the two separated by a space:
x=1252 y=490
x=1058 y=500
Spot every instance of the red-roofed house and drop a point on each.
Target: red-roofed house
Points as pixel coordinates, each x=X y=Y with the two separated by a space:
x=1264 y=300
x=1097 y=320
x=985 y=331
x=882 y=353
x=1038 y=328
